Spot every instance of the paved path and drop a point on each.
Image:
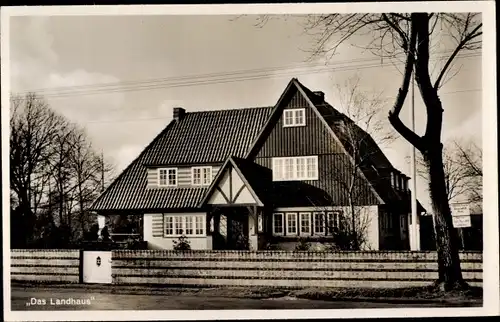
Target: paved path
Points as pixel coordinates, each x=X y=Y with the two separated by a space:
x=50 y=299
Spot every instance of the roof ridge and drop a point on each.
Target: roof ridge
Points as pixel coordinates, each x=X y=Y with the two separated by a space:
x=230 y=109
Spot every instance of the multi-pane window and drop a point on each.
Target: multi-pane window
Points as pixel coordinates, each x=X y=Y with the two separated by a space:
x=291 y=223
x=333 y=221
x=201 y=176
x=289 y=168
x=278 y=224
x=305 y=223
x=200 y=224
x=178 y=224
x=189 y=225
x=330 y=221
x=294 y=117
x=295 y=168
x=319 y=223
x=312 y=167
x=167 y=177
x=301 y=167
x=169 y=225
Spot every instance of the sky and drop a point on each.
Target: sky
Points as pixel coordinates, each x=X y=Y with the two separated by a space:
x=48 y=53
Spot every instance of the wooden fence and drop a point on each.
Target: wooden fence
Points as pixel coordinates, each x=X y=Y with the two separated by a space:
x=40 y=265
x=286 y=269
x=246 y=268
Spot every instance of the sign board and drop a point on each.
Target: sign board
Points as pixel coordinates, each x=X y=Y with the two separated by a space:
x=460 y=209
x=461 y=215
x=461 y=221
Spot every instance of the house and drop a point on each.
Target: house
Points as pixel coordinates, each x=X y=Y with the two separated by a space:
x=254 y=177
x=470 y=238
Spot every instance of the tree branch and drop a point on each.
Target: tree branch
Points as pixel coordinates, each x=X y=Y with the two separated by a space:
x=459 y=47
x=394 y=119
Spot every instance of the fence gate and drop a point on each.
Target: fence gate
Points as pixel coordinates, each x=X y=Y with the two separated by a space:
x=97 y=267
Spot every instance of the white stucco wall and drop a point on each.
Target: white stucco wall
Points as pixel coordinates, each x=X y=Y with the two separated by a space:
x=370 y=213
x=157 y=241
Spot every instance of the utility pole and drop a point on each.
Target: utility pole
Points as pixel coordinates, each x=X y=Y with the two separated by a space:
x=414 y=240
x=102 y=170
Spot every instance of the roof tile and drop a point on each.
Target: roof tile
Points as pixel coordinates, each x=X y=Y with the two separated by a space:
x=198 y=138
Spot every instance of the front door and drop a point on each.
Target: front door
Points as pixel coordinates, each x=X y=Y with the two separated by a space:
x=97 y=267
x=238 y=232
x=231 y=229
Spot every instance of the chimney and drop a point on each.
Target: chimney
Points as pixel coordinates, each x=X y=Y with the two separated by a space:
x=320 y=96
x=179 y=113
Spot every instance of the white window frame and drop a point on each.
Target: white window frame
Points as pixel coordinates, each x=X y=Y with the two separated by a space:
x=202 y=177
x=292 y=113
x=167 y=170
x=307 y=215
x=287 y=232
x=199 y=230
x=335 y=220
x=319 y=229
x=280 y=172
x=282 y=224
x=184 y=219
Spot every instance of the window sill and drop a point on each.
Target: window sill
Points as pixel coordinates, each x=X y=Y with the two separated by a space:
x=187 y=236
x=313 y=238
x=288 y=180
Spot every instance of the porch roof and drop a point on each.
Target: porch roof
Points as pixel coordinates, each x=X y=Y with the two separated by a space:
x=256 y=179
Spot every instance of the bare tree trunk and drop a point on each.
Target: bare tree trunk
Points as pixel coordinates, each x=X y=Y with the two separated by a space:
x=450 y=274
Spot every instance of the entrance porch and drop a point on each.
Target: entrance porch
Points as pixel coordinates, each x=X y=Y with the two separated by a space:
x=236 y=228
x=235 y=205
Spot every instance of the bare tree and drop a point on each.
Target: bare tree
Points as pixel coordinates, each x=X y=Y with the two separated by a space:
x=55 y=172
x=88 y=171
x=362 y=132
x=33 y=128
x=462 y=164
x=413 y=35
x=470 y=158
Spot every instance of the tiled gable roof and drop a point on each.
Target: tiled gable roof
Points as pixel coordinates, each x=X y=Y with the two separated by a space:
x=214 y=136
x=206 y=137
x=199 y=137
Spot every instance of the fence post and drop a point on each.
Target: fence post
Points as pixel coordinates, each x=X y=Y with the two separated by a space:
x=80 y=270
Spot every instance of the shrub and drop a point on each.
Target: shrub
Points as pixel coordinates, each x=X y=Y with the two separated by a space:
x=271 y=246
x=182 y=244
x=303 y=245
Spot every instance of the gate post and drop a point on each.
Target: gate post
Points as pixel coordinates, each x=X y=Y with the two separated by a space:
x=80 y=270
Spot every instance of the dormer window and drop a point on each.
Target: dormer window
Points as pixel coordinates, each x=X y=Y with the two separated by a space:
x=167 y=177
x=294 y=117
x=201 y=176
